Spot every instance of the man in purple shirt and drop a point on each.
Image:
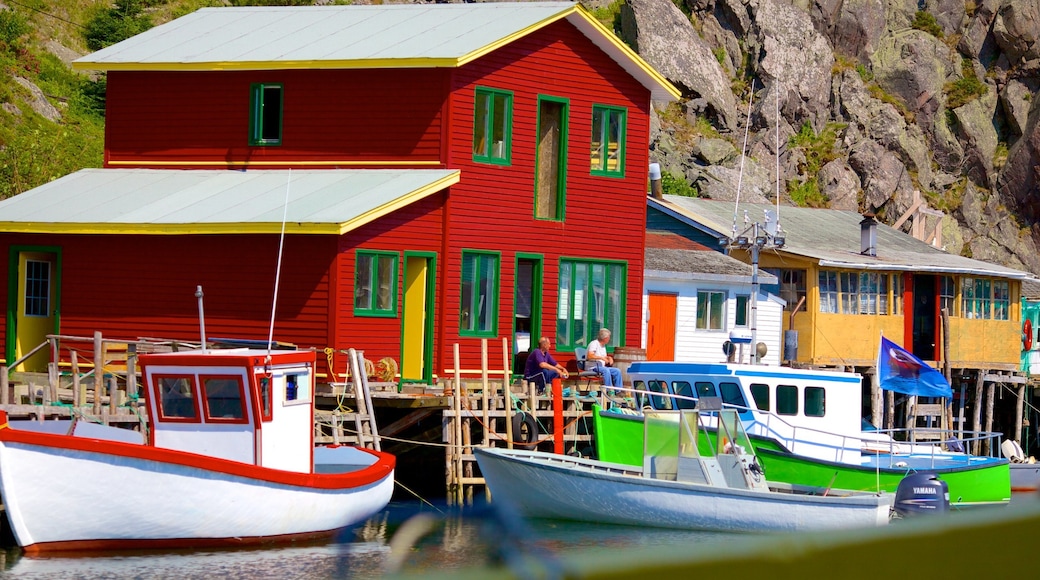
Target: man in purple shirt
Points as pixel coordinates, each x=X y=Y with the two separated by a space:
x=541 y=367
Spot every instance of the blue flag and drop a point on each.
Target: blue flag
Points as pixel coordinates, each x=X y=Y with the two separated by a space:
x=902 y=372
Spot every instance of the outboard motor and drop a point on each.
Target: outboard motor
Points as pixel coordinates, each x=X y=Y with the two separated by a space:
x=922 y=493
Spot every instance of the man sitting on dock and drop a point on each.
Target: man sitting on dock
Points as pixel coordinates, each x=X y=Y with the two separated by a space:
x=541 y=367
x=601 y=362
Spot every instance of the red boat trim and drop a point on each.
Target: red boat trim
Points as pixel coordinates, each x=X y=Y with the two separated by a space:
x=379 y=470
x=91 y=547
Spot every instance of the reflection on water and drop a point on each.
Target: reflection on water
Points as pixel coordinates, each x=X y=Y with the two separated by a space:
x=452 y=540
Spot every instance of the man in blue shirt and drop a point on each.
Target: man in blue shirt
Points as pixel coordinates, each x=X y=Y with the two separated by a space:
x=541 y=367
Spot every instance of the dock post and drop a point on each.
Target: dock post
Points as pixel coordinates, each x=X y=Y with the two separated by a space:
x=976 y=424
x=986 y=443
x=99 y=372
x=557 y=402
x=484 y=385
x=5 y=397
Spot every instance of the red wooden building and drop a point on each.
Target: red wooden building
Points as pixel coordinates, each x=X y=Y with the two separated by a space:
x=447 y=173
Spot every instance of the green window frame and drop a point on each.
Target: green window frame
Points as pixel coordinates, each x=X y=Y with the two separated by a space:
x=591 y=296
x=265 y=114
x=478 y=294
x=492 y=126
x=375 y=283
x=711 y=310
x=609 y=127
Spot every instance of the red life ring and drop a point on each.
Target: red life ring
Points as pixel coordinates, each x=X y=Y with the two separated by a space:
x=1027 y=335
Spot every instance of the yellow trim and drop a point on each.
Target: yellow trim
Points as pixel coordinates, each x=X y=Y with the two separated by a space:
x=576 y=10
x=286 y=163
x=631 y=54
x=400 y=202
x=234 y=228
x=270 y=65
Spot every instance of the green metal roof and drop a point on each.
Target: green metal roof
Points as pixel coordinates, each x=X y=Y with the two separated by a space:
x=172 y=201
x=361 y=36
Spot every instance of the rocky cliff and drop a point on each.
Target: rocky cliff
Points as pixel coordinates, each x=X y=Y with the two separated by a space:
x=865 y=102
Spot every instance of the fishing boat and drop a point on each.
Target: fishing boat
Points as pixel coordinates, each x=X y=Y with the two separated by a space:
x=806 y=426
x=676 y=485
x=228 y=459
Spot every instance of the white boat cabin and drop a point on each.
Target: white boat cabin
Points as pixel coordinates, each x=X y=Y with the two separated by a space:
x=810 y=411
x=241 y=405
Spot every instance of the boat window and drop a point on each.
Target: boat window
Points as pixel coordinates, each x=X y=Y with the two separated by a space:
x=640 y=398
x=659 y=403
x=223 y=398
x=706 y=389
x=265 y=397
x=761 y=394
x=684 y=389
x=731 y=395
x=815 y=402
x=786 y=400
x=176 y=397
x=297 y=387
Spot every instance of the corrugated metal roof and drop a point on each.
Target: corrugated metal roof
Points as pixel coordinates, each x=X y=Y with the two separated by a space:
x=833 y=238
x=362 y=36
x=171 y=201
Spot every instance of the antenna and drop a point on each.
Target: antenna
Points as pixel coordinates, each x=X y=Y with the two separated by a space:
x=278 y=269
x=202 y=317
x=778 y=156
x=743 y=154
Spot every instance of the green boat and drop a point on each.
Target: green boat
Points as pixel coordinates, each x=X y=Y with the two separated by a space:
x=803 y=442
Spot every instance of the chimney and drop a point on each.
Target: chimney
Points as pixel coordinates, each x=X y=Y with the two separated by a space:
x=868 y=235
x=655 y=181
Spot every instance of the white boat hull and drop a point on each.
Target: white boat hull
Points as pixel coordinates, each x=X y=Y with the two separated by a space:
x=66 y=493
x=1025 y=477
x=543 y=485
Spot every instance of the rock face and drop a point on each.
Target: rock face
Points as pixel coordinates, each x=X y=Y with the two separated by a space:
x=882 y=109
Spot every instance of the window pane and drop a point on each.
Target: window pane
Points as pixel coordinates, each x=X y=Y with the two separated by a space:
x=563 y=307
x=176 y=398
x=597 y=157
x=272 y=114
x=581 y=334
x=786 y=400
x=815 y=402
x=486 y=296
x=223 y=398
x=363 y=282
x=37 y=288
x=479 y=293
x=591 y=297
x=743 y=310
x=481 y=113
x=499 y=129
x=761 y=394
x=386 y=273
x=614 y=145
x=718 y=311
x=731 y=394
x=706 y=389
x=683 y=389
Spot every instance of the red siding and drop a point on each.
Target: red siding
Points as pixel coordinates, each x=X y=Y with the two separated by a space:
x=133 y=286
x=416 y=227
x=360 y=116
x=493 y=206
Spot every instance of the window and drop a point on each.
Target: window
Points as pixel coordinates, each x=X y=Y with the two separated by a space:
x=550 y=192
x=176 y=397
x=297 y=388
x=659 y=402
x=792 y=286
x=977 y=298
x=265 y=398
x=591 y=297
x=761 y=394
x=375 y=284
x=731 y=395
x=743 y=313
x=786 y=400
x=223 y=398
x=683 y=389
x=710 y=310
x=265 y=114
x=1001 y=295
x=815 y=402
x=478 y=306
x=492 y=126
x=853 y=292
x=608 y=141
x=947 y=294
x=897 y=294
x=37 y=288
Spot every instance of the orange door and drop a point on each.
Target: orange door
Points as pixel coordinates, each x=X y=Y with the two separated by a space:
x=660 y=329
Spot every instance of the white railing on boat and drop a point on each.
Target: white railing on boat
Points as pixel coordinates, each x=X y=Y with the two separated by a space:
x=881 y=446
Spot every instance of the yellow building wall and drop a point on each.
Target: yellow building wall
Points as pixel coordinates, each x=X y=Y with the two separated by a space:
x=852 y=339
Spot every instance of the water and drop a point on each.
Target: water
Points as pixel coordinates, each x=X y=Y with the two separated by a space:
x=446 y=539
